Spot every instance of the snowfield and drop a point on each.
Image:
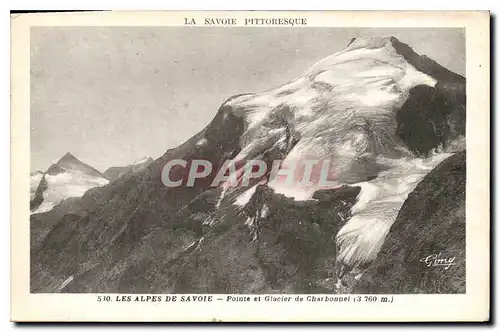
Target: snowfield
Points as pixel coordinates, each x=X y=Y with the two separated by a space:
x=65 y=185
x=68 y=177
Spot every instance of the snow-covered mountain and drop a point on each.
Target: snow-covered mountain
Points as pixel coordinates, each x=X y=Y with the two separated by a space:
x=115 y=172
x=391 y=125
x=344 y=110
x=68 y=177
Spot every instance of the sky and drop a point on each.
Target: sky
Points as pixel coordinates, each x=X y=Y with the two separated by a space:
x=111 y=95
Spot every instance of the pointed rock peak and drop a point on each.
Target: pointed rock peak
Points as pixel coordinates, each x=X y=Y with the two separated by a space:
x=68 y=157
x=70 y=162
x=422 y=63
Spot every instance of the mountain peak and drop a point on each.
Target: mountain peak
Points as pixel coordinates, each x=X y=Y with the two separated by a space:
x=422 y=63
x=67 y=158
x=69 y=162
x=381 y=57
x=68 y=177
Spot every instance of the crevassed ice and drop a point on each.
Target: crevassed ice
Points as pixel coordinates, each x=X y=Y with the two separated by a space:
x=360 y=87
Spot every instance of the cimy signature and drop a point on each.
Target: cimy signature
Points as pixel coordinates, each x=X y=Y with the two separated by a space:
x=438 y=260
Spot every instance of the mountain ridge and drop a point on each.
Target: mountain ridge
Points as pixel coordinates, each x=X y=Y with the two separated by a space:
x=114 y=172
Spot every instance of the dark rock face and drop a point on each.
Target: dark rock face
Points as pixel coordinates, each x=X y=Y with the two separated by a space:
x=429 y=119
x=289 y=248
x=431 y=221
x=431 y=116
x=38 y=198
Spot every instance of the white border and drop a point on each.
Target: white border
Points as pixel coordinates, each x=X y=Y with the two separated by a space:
x=472 y=306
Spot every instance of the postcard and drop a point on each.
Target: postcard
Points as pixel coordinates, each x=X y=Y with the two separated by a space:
x=250 y=166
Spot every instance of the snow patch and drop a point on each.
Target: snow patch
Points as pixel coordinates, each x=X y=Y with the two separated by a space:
x=66 y=282
x=245 y=197
x=140 y=161
x=202 y=142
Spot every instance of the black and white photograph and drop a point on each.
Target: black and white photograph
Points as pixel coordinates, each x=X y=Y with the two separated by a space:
x=110 y=107
x=226 y=158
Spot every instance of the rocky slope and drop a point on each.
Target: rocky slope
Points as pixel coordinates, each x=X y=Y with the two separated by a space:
x=35 y=178
x=115 y=172
x=379 y=101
